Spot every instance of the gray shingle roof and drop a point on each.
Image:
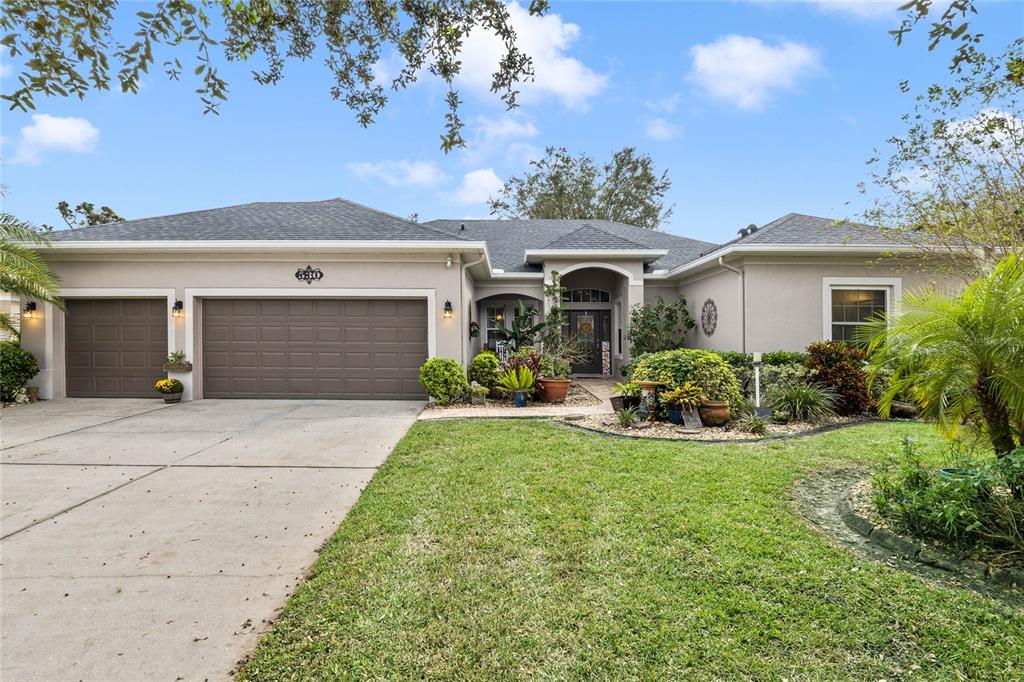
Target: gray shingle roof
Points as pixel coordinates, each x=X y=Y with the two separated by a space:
x=508 y=240
x=590 y=237
x=293 y=220
x=795 y=228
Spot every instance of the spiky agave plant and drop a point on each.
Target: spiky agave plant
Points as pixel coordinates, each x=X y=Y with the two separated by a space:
x=961 y=358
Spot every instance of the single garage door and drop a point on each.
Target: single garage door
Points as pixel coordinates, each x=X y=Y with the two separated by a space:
x=314 y=348
x=114 y=347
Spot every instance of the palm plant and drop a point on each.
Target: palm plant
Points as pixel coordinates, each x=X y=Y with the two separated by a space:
x=960 y=358
x=22 y=271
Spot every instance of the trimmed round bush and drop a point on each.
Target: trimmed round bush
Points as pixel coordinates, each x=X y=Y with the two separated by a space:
x=700 y=367
x=484 y=369
x=17 y=366
x=444 y=379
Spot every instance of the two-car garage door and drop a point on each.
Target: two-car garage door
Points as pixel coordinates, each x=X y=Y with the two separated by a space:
x=254 y=348
x=313 y=348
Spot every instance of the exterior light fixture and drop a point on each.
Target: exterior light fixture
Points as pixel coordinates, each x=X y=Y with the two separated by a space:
x=448 y=310
x=178 y=309
x=448 y=263
x=30 y=310
x=499 y=316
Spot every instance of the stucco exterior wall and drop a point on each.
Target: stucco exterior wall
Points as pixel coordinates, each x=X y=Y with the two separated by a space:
x=785 y=297
x=723 y=287
x=248 y=275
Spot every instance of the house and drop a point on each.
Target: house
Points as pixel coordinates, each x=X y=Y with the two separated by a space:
x=331 y=299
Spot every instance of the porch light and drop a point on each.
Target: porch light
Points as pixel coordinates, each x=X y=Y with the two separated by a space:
x=448 y=310
x=30 y=310
x=499 y=316
x=178 y=309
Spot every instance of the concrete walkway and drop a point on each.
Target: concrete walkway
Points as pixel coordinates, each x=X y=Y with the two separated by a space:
x=600 y=388
x=143 y=541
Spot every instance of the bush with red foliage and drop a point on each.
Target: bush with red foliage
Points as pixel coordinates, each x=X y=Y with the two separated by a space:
x=841 y=368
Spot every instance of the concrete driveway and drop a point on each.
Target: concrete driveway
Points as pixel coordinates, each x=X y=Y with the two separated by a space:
x=151 y=541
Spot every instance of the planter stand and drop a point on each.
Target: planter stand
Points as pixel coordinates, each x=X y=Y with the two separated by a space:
x=648 y=399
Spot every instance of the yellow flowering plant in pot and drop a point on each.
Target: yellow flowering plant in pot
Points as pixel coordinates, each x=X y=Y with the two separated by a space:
x=171 y=389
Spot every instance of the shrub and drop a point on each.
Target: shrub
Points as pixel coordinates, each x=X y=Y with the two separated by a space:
x=17 y=366
x=685 y=397
x=700 y=367
x=484 y=369
x=444 y=379
x=627 y=416
x=972 y=506
x=753 y=424
x=777 y=367
x=657 y=327
x=776 y=358
x=803 y=402
x=840 y=368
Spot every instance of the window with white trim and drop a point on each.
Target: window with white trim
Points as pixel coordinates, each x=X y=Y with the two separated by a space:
x=585 y=296
x=495 y=321
x=852 y=307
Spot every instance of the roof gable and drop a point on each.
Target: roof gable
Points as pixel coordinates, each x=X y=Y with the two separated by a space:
x=590 y=237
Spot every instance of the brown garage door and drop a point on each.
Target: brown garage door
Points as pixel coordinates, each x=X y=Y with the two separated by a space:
x=313 y=348
x=115 y=347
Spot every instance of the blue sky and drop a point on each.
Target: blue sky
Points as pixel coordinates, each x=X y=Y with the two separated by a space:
x=755 y=108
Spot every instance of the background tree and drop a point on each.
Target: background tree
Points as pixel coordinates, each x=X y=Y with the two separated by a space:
x=70 y=46
x=22 y=271
x=85 y=215
x=627 y=189
x=954 y=184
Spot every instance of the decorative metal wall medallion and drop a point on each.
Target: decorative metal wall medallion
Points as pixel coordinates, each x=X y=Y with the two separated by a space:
x=309 y=274
x=709 y=317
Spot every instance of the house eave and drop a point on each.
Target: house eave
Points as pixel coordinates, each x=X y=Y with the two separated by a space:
x=647 y=255
x=711 y=259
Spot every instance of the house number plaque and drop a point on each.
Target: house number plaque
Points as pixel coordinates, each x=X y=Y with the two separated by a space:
x=309 y=274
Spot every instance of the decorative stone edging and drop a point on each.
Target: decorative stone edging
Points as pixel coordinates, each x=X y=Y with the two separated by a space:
x=567 y=420
x=914 y=550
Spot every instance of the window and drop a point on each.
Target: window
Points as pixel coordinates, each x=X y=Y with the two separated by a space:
x=586 y=296
x=851 y=308
x=495 y=320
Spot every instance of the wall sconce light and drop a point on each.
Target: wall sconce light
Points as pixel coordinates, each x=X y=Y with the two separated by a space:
x=448 y=263
x=178 y=309
x=448 y=310
x=30 y=310
x=499 y=316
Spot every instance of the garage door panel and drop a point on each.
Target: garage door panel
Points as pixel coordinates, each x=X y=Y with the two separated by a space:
x=114 y=348
x=314 y=348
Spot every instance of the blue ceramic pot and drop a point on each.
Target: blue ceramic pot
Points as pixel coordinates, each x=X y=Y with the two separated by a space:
x=520 y=398
x=675 y=416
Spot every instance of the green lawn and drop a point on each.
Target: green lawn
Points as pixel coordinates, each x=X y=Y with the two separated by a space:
x=489 y=549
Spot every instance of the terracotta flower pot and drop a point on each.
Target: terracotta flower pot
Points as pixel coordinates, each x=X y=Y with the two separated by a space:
x=714 y=412
x=553 y=390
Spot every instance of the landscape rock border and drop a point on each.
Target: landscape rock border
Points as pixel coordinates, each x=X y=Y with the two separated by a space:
x=571 y=421
x=914 y=550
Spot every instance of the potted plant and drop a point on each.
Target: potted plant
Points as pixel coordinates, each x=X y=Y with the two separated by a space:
x=685 y=398
x=478 y=393
x=519 y=382
x=625 y=396
x=714 y=412
x=171 y=388
x=554 y=380
x=176 y=362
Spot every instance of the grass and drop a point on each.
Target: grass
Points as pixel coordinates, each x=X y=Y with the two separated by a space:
x=489 y=549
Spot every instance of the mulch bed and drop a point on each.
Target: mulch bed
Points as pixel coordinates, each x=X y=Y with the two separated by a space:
x=577 y=397
x=667 y=431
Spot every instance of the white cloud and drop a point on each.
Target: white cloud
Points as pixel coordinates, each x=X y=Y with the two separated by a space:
x=477 y=186
x=745 y=72
x=401 y=173
x=545 y=39
x=660 y=129
x=503 y=137
x=667 y=105
x=54 y=134
x=489 y=131
x=5 y=70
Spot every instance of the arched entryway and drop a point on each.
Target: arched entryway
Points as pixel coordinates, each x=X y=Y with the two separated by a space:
x=595 y=299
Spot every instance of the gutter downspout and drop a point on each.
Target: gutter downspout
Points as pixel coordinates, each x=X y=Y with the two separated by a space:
x=743 y=301
x=462 y=301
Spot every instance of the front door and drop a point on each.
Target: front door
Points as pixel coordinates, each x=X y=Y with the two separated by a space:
x=589 y=328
